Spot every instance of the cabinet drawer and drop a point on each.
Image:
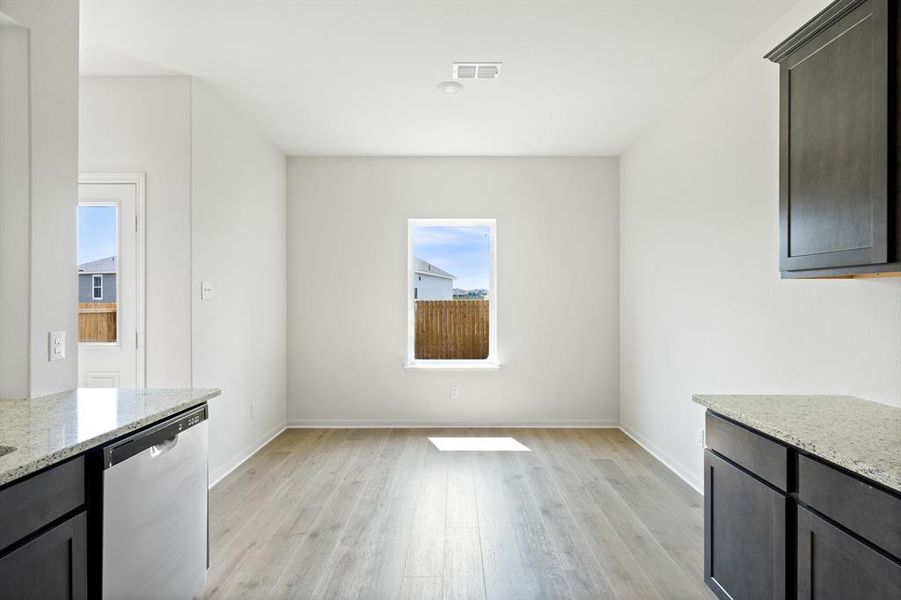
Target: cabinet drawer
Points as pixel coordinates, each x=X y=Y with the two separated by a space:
x=765 y=458
x=833 y=565
x=36 y=501
x=873 y=514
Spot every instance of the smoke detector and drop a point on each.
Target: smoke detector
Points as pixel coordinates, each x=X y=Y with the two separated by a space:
x=476 y=70
x=450 y=87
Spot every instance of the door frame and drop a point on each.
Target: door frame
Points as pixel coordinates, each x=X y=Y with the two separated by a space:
x=139 y=181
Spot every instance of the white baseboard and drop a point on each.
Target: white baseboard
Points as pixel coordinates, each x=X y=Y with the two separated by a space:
x=415 y=424
x=241 y=457
x=669 y=462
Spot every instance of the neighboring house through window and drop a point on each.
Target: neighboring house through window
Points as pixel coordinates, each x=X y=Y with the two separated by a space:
x=97 y=280
x=432 y=283
x=452 y=296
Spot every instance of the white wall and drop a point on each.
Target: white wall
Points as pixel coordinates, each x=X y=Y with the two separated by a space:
x=52 y=142
x=15 y=213
x=702 y=306
x=142 y=124
x=557 y=286
x=240 y=339
x=216 y=206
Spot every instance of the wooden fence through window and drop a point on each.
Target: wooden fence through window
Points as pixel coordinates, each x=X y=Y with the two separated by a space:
x=451 y=329
x=97 y=322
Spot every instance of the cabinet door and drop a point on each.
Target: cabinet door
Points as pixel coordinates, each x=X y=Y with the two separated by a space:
x=744 y=533
x=834 y=145
x=835 y=565
x=52 y=566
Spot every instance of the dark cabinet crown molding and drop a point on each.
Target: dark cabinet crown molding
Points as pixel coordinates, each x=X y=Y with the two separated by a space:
x=824 y=18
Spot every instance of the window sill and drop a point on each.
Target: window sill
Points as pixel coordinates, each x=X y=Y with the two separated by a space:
x=454 y=366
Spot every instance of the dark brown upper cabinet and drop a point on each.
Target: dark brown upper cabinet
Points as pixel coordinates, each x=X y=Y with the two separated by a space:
x=839 y=129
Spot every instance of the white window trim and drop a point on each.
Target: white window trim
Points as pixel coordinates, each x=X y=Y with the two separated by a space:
x=94 y=286
x=492 y=362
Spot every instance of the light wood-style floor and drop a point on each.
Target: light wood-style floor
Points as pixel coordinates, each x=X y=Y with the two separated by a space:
x=380 y=513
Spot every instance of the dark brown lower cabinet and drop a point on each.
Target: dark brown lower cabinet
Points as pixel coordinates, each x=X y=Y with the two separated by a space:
x=52 y=566
x=832 y=535
x=835 y=565
x=744 y=527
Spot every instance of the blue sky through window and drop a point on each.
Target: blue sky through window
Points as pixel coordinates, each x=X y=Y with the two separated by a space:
x=96 y=233
x=464 y=252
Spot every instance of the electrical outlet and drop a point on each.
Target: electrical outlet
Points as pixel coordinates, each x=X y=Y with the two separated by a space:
x=57 y=345
x=701 y=439
x=455 y=392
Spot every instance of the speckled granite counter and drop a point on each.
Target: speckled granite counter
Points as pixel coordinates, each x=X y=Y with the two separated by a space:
x=52 y=428
x=861 y=436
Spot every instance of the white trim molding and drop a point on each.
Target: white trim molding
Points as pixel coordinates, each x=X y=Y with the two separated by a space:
x=453 y=366
x=669 y=462
x=430 y=423
x=245 y=454
x=139 y=180
x=492 y=362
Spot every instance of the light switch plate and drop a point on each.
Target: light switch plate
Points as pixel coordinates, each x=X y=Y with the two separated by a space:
x=206 y=290
x=57 y=345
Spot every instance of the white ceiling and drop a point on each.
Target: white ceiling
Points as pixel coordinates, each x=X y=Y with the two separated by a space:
x=358 y=78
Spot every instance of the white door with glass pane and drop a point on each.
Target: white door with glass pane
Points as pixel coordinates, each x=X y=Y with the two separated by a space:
x=108 y=285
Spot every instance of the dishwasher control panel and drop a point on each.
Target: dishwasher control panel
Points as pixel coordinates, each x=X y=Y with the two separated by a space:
x=151 y=436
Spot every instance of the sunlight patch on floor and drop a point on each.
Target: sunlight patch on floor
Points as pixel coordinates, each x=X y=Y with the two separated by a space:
x=478 y=444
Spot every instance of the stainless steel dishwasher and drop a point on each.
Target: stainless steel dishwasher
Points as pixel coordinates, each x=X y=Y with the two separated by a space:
x=155 y=511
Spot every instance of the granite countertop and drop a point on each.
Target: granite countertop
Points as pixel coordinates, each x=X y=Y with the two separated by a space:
x=49 y=429
x=861 y=436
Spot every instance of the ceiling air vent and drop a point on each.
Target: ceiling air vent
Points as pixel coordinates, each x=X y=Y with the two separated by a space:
x=490 y=70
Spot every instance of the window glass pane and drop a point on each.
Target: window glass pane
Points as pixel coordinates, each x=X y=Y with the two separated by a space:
x=452 y=294
x=98 y=250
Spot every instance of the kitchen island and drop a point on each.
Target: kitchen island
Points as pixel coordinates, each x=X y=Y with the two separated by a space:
x=40 y=432
x=54 y=454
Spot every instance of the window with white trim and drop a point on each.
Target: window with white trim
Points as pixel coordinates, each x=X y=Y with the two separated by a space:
x=97 y=287
x=98 y=258
x=452 y=293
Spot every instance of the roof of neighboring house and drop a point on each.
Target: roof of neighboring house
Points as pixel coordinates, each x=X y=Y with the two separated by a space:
x=103 y=265
x=421 y=266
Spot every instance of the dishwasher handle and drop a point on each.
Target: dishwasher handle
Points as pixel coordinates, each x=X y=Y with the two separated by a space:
x=163 y=447
x=160 y=438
